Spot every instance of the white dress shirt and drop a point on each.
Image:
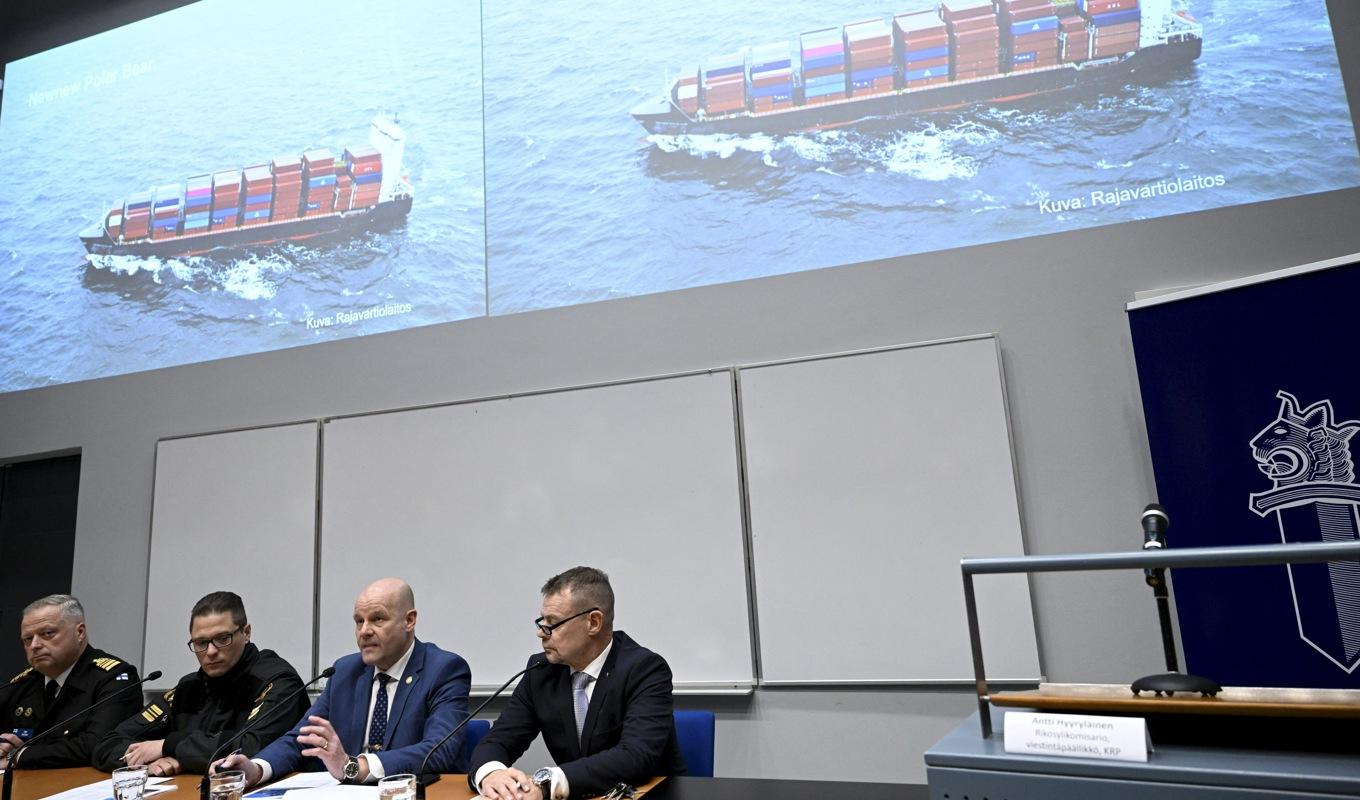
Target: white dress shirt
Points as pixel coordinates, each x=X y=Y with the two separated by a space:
x=375 y=767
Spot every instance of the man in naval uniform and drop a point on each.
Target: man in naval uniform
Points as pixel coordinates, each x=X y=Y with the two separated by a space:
x=65 y=676
x=236 y=684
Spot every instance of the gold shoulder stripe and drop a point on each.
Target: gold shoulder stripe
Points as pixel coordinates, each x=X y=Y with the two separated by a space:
x=253 y=712
x=170 y=695
x=107 y=664
x=21 y=675
x=264 y=693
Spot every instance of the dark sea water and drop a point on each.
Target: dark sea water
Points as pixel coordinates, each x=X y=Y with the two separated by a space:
x=217 y=85
x=580 y=203
x=583 y=207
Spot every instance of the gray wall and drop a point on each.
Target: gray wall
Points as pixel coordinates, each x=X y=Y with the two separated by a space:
x=1057 y=303
x=1081 y=447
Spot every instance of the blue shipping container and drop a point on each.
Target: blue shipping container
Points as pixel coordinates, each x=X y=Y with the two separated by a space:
x=766 y=66
x=824 y=61
x=1035 y=26
x=825 y=80
x=373 y=177
x=1116 y=18
x=718 y=72
x=928 y=72
x=820 y=91
x=925 y=53
x=1022 y=58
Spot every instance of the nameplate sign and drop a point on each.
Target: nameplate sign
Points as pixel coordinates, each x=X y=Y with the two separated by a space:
x=1077 y=736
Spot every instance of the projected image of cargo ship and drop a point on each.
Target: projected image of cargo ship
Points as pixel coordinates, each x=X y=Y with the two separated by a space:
x=290 y=198
x=950 y=55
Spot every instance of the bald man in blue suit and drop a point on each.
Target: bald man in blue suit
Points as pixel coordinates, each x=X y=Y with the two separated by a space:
x=385 y=707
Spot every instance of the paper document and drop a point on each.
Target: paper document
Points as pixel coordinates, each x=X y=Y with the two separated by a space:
x=103 y=790
x=335 y=792
x=298 y=780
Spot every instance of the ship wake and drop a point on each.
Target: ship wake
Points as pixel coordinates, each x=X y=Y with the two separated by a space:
x=247 y=277
x=931 y=153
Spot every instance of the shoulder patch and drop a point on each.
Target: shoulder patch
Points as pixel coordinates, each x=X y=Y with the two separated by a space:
x=264 y=693
x=21 y=675
x=107 y=664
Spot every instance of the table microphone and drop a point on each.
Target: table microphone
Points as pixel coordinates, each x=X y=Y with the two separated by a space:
x=423 y=780
x=1155 y=522
x=203 y=784
x=8 y=782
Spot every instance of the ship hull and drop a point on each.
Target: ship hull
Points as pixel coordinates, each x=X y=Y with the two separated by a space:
x=1147 y=62
x=385 y=215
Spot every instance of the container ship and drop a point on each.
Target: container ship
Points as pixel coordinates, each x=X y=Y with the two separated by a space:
x=950 y=55
x=291 y=198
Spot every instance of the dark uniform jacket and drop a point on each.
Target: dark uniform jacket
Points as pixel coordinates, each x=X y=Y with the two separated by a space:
x=201 y=713
x=629 y=732
x=95 y=676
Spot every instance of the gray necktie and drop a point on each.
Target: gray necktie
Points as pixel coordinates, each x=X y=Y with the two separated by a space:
x=579 y=682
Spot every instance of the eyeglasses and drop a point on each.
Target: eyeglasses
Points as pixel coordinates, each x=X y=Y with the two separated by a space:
x=219 y=641
x=548 y=629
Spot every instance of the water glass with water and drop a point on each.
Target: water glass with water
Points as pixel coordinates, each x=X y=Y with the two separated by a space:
x=129 y=783
x=397 y=787
x=226 y=785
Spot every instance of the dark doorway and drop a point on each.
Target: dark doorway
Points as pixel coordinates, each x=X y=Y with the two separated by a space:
x=37 y=542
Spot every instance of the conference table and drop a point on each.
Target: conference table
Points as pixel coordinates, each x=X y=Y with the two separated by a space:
x=37 y=784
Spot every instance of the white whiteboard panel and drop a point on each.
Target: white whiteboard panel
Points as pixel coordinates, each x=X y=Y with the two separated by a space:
x=870 y=476
x=477 y=504
x=236 y=512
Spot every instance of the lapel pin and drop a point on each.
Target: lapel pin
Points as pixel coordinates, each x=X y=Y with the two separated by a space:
x=409 y=679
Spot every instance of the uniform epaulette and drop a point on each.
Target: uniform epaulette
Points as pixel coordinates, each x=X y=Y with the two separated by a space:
x=259 y=701
x=170 y=695
x=264 y=693
x=152 y=713
x=21 y=675
x=107 y=664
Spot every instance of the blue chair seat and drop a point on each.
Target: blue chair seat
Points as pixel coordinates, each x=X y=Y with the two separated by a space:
x=694 y=732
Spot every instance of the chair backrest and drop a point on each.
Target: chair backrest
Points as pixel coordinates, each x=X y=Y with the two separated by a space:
x=473 y=734
x=694 y=732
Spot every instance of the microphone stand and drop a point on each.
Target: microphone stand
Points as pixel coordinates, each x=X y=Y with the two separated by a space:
x=1173 y=680
x=422 y=778
x=203 y=784
x=7 y=785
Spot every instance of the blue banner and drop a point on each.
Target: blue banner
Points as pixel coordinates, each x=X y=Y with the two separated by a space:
x=1252 y=400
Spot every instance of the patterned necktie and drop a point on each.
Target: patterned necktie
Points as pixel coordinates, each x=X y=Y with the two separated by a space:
x=579 y=682
x=50 y=695
x=377 y=730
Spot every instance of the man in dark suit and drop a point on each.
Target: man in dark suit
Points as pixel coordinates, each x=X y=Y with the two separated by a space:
x=602 y=702
x=385 y=707
x=66 y=675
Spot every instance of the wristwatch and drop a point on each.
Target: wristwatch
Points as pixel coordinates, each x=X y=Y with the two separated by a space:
x=543 y=780
x=351 y=773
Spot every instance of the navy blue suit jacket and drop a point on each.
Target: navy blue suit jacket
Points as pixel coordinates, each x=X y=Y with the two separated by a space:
x=431 y=699
x=629 y=732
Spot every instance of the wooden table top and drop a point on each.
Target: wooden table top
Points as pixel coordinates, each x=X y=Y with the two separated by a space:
x=1233 y=700
x=39 y=783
